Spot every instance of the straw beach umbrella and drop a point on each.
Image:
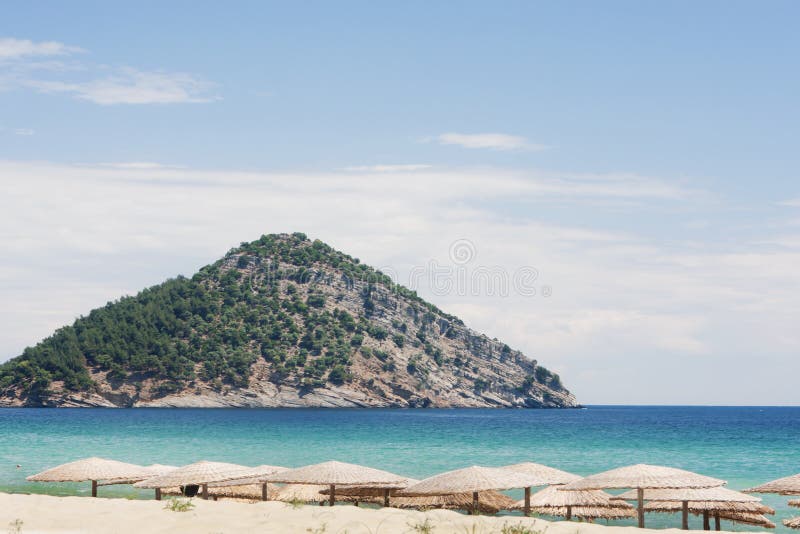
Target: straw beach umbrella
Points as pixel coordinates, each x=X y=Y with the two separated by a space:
x=782 y=486
x=749 y=519
x=551 y=497
x=642 y=477
x=253 y=475
x=89 y=469
x=376 y=493
x=473 y=479
x=795 y=503
x=719 y=509
x=148 y=471
x=334 y=474
x=542 y=476
x=491 y=502
x=309 y=493
x=693 y=499
x=196 y=474
x=792 y=523
x=588 y=513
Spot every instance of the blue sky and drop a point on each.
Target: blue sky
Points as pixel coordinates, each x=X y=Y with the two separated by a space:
x=642 y=156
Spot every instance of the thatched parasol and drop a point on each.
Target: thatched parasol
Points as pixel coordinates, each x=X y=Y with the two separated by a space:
x=491 y=502
x=588 y=513
x=251 y=492
x=89 y=469
x=794 y=522
x=542 y=476
x=473 y=479
x=783 y=486
x=309 y=493
x=335 y=474
x=748 y=519
x=795 y=503
x=717 y=509
x=253 y=475
x=641 y=477
x=375 y=493
x=196 y=474
x=148 y=471
x=551 y=497
x=692 y=499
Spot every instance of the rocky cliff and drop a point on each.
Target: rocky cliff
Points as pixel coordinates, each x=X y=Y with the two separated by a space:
x=282 y=321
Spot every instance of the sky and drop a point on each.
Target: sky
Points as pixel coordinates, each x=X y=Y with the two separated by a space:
x=611 y=187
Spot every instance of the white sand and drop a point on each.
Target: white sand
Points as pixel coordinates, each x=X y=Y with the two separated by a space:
x=47 y=514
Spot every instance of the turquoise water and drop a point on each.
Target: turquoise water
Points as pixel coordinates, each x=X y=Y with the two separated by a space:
x=744 y=446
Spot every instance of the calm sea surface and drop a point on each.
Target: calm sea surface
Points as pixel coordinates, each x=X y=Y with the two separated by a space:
x=744 y=446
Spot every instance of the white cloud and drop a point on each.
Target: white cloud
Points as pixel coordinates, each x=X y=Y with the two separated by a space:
x=492 y=141
x=23 y=68
x=628 y=305
x=388 y=168
x=145 y=165
x=25 y=132
x=131 y=86
x=11 y=48
x=792 y=203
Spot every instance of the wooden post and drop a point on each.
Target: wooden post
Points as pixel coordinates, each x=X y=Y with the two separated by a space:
x=569 y=513
x=685 y=515
x=205 y=491
x=264 y=492
x=94 y=488
x=706 y=525
x=640 y=499
x=386 y=497
x=332 y=496
x=475 y=503
x=158 y=494
x=716 y=522
x=527 y=509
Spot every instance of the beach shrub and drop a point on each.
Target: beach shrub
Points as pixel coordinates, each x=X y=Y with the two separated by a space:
x=15 y=527
x=519 y=528
x=424 y=527
x=179 y=505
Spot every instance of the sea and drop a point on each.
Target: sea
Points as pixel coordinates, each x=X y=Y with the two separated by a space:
x=744 y=445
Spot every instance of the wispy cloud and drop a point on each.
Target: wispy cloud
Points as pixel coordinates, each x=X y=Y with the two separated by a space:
x=490 y=141
x=25 y=132
x=131 y=86
x=792 y=203
x=388 y=168
x=100 y=84
x=11 y=48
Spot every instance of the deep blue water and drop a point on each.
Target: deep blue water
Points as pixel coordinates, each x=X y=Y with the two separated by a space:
x=743 y=445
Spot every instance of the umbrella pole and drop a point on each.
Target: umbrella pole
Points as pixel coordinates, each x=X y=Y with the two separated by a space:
x=527 y=501
x=685 y=514
x=640 y=499
x=716 y=521
x=264 y=492
x=474 y=503
x=386 y=498
x=333 y=496
x=205 y=491
x=569 y=513
x=158 y=494
x=94 y=488
x=706 y=525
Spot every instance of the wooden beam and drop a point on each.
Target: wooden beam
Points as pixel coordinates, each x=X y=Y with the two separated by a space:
x=706 y=525
x=475 y=503
x=640 y=508
x=94 y=488
x=264 y=492
x=158 y=494
x=716 y=521
x=386 y=498
x=333 y=495
x=569 y=513
x=527 y=509
x=685 y=515
x=205 y=491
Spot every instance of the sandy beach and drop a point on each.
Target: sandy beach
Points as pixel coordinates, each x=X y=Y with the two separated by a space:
x=84 y=515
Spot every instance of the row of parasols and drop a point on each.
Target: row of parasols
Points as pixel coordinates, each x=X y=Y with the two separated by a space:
x=475 y=489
